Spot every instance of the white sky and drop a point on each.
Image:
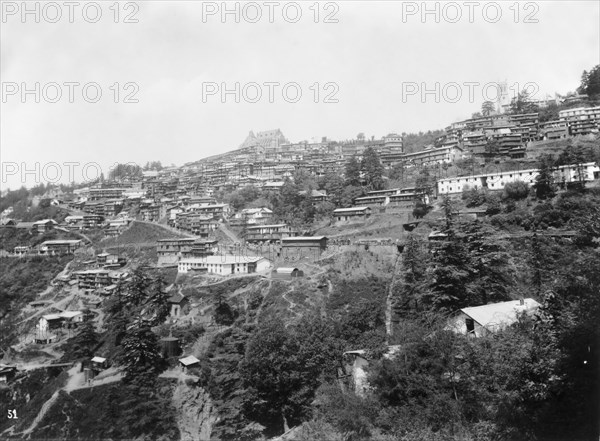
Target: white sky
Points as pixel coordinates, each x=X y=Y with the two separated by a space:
x=171 y=52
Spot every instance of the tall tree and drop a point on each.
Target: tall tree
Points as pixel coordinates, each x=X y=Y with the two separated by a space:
x=414 y=265
x=159 y=303
x=86 y=339
x=334 y=185
x=544 y=181
x=373 y=169
x=141 y=356
x=487 y=108
x=590 y=82
x=272 y=376
x=137 y=287
x=522 y=103
x=352 y=172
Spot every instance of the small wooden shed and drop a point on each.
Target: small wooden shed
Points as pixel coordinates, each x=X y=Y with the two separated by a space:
x=188 y=362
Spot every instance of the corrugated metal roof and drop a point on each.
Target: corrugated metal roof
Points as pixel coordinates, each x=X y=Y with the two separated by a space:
x=503 y=313
x=189 y=360
x=286 y=270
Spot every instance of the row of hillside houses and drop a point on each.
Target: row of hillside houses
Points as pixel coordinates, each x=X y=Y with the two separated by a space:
x=37 y=227
x=72 y=222
x=510 y=134
x=290 y=248
x=404 y=198
x=267 y=165
x=50 y=247
x=496 y=181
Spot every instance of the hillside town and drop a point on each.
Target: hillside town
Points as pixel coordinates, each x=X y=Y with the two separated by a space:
x=182 y=225
x=367 y=259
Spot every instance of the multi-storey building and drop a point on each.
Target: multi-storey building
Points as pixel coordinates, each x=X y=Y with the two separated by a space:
x=60 y=246
x=224 y=265
x=352 y=214
x=269 y=233
x=581 y=120
x=496 y=181
x=96 y=194
x=169 y=251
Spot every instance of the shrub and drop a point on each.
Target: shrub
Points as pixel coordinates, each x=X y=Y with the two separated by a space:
x=473 y=197
x=421 y=209
x=493 y=204
x=516 y=190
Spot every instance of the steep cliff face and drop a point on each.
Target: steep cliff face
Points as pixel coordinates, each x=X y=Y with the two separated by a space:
x=195 y=416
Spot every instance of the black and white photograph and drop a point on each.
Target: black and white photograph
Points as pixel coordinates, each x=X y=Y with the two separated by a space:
x=312 y=220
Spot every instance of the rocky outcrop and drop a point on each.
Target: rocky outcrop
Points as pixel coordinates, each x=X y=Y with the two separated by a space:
x=195 y=415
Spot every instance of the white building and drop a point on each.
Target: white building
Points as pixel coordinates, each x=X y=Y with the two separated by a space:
x=580 y=113
x=224 y=265
x=482 y=320
x=434 y=156
x=51 y=321
x=254 y=215
x=496 y=181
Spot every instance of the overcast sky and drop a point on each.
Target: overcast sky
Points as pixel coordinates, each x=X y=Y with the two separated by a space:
x=371 y=54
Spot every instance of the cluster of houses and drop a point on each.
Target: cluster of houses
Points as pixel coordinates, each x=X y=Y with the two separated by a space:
x=199 y=255
x=510 y=134
x=49 y=248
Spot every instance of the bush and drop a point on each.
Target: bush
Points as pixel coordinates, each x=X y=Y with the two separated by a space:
x=473 y=197
x=516 y=190
x=493 y=204
x=421 y=209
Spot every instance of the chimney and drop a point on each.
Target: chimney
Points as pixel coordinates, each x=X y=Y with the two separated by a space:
x=522 y=302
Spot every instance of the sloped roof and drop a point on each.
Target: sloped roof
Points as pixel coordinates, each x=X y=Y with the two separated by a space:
x=45 y=221
x=176 y=298
x=286 y=270
x=24 y=224
x=504 y=313
x=302 y=238
x=189 y=360
x=350 y=210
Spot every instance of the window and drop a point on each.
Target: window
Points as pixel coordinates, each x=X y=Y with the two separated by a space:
x=470 y=325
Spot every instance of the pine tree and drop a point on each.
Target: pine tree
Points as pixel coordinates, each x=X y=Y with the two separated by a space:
x=544 y=181
x=414 y=265
x=141 y=356
x=86 y=338
x=159 y=301
x=137 y=288
x=371 y=164
x=353 y=172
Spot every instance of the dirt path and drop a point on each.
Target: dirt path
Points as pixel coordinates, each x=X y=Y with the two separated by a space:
x=45 y=408
x=165 y=227
x=388 y=302
x=76 y=381
x=62 y=302
x=225 y=229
